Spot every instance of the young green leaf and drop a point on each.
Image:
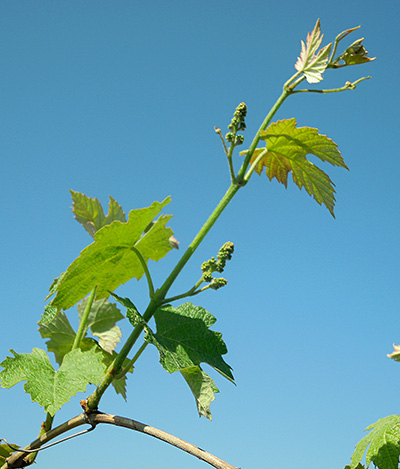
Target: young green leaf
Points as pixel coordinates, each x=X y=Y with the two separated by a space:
x=287 y=146
x=183 y=339
x=101 y=321
x=311 y=63
x=202 y=387
x=89 y=212
x=50 y=388
x=384 y=441
x=110 y=260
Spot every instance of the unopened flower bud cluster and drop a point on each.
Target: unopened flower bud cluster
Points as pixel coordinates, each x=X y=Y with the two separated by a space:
x=217 y=265
x=237 y=124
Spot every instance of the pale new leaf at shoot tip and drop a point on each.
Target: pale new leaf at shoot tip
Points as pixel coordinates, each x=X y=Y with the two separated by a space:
x=310 y=62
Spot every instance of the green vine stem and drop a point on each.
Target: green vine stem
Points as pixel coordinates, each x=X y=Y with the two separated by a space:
x=193 y=291
x=157 y=299
x=160 y=294
x=348 y=86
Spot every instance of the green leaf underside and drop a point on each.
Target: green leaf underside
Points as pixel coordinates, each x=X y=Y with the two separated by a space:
x=109 y=261
x=50 y=388
x=311 y=63
x=184 y=340
x=61 y=339
x=384 y=446
x=101 y=321
x=287 y=147
x=89 y=212
x=202 y=387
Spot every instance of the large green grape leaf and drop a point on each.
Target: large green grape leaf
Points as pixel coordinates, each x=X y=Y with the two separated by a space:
x=101 y=321
x=183 y=339
x=89 y=212
x=384 y=444
x=286 y=148
x=311 y=62
x=50 y=388
x=110 y=260
x=202 y=387
x=61 y=337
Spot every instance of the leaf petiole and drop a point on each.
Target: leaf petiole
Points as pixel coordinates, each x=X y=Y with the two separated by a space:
x=146 y=271
x=84 y=319
x=126 y=369
x=254 y=165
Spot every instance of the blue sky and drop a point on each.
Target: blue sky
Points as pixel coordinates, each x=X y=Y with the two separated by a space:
x=120 y=98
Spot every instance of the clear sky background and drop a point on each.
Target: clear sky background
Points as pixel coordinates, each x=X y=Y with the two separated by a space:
x=120 y=98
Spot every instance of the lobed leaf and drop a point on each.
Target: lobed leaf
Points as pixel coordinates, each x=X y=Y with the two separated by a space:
x=286 y=148
x=184 y=341
x=383 y=442
x=311 y=63
x=202 y=387
x=89 y=212
x=110 y=261
x=50 y=388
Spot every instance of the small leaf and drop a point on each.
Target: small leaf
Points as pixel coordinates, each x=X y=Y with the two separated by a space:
x=109 y=261
x=184 y=340
x=353 y=55
x=101 y=321
x=50 y=388
x=89 y=212
x=311 y=63
x=202 y=387
x=287 y=146
x=395 y=355
x=384 y=441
